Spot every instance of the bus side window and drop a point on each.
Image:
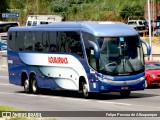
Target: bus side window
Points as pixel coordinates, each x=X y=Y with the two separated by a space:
x=76 y=46
x=52 y=40
x=18 y=36
x=89 y=49
x=38 y=47
x=11 y=41
x=45 y=41
x=52 y=48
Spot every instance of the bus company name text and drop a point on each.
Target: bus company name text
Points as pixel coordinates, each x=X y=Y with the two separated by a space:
x=58 y=60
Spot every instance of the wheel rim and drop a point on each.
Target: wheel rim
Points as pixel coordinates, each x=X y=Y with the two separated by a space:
x=85 y=90
x=26 y=85
x=34 y=86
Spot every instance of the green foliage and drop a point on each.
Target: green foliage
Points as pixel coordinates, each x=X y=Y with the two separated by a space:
x=132 y=10
x=115 y=10
x=3 y=7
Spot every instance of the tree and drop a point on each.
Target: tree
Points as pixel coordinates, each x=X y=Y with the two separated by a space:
x=3 y=7
x=132 y=10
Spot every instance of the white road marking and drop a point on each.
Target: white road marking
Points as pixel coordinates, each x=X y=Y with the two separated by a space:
x=30 y=95
x=76 y=99
x=3 y=76
x=6 y=93
x=5 y=84
x=45 y=96
x=116 y=103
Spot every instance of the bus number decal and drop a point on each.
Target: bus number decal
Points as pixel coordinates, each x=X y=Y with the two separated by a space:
x=59 y=60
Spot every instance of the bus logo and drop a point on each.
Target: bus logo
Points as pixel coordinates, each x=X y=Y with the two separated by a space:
x=58 y=60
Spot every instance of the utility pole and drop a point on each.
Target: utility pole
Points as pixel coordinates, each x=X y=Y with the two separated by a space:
x=153 y=17
x=149 y=21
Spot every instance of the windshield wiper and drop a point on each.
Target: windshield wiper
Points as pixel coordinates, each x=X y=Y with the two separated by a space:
x=130 y=64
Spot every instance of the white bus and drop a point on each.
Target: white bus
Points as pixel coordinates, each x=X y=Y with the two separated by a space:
x=81 y=56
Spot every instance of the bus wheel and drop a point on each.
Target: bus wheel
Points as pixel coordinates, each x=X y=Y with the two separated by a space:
x=26 y=86
x=85 y=90
x=34 y=86
x=125 y=93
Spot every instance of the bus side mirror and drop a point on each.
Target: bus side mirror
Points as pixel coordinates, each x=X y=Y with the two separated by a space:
x=96 y=49
x=147 y=46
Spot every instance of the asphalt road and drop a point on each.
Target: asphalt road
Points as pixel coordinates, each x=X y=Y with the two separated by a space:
x=11 y=95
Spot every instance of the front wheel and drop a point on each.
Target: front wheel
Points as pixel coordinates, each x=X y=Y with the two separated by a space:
x=125 y=94
x=85 y=90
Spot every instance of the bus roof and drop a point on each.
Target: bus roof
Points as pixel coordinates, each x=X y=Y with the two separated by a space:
x=93 y=27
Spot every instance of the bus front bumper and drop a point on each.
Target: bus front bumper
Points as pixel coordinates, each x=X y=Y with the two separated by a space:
x=114 y=86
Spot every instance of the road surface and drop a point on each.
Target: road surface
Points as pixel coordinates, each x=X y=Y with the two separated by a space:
x=14 y=96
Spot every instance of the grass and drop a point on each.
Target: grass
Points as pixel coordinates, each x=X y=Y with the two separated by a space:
x=8 y=108
x=155 y=40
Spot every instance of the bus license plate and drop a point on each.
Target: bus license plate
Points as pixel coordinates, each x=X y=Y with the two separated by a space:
x=124 y=88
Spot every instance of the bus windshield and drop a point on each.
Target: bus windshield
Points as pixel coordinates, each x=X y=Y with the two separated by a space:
x=120 y=55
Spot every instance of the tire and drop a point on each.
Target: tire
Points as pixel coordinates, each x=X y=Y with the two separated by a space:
x=125 y=94
x=27 y=87
x=34 y=86
x=85 y=92
x=146 y=84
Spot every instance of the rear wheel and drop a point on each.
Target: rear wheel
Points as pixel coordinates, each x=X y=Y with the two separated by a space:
x=125 y=93
x=34 y=86
x=26 y=86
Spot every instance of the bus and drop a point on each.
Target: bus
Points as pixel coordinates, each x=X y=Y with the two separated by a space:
x=88 y=57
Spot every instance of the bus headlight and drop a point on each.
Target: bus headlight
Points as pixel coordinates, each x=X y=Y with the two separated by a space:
x=103 y=79
x=142 y=78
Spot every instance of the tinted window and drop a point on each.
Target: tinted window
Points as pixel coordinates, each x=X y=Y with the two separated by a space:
x=44 y=41
x=20 y=38
x=43 y=22
x=34 y=23
x=11 y=43
x=152 y=65
x=5 y=26
x=70 y=42
x=29 y=23
x=38 y=41
x=131 y=23
x=29 y=40
x=141 y=23
x=89 y=49
x=53 y=38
